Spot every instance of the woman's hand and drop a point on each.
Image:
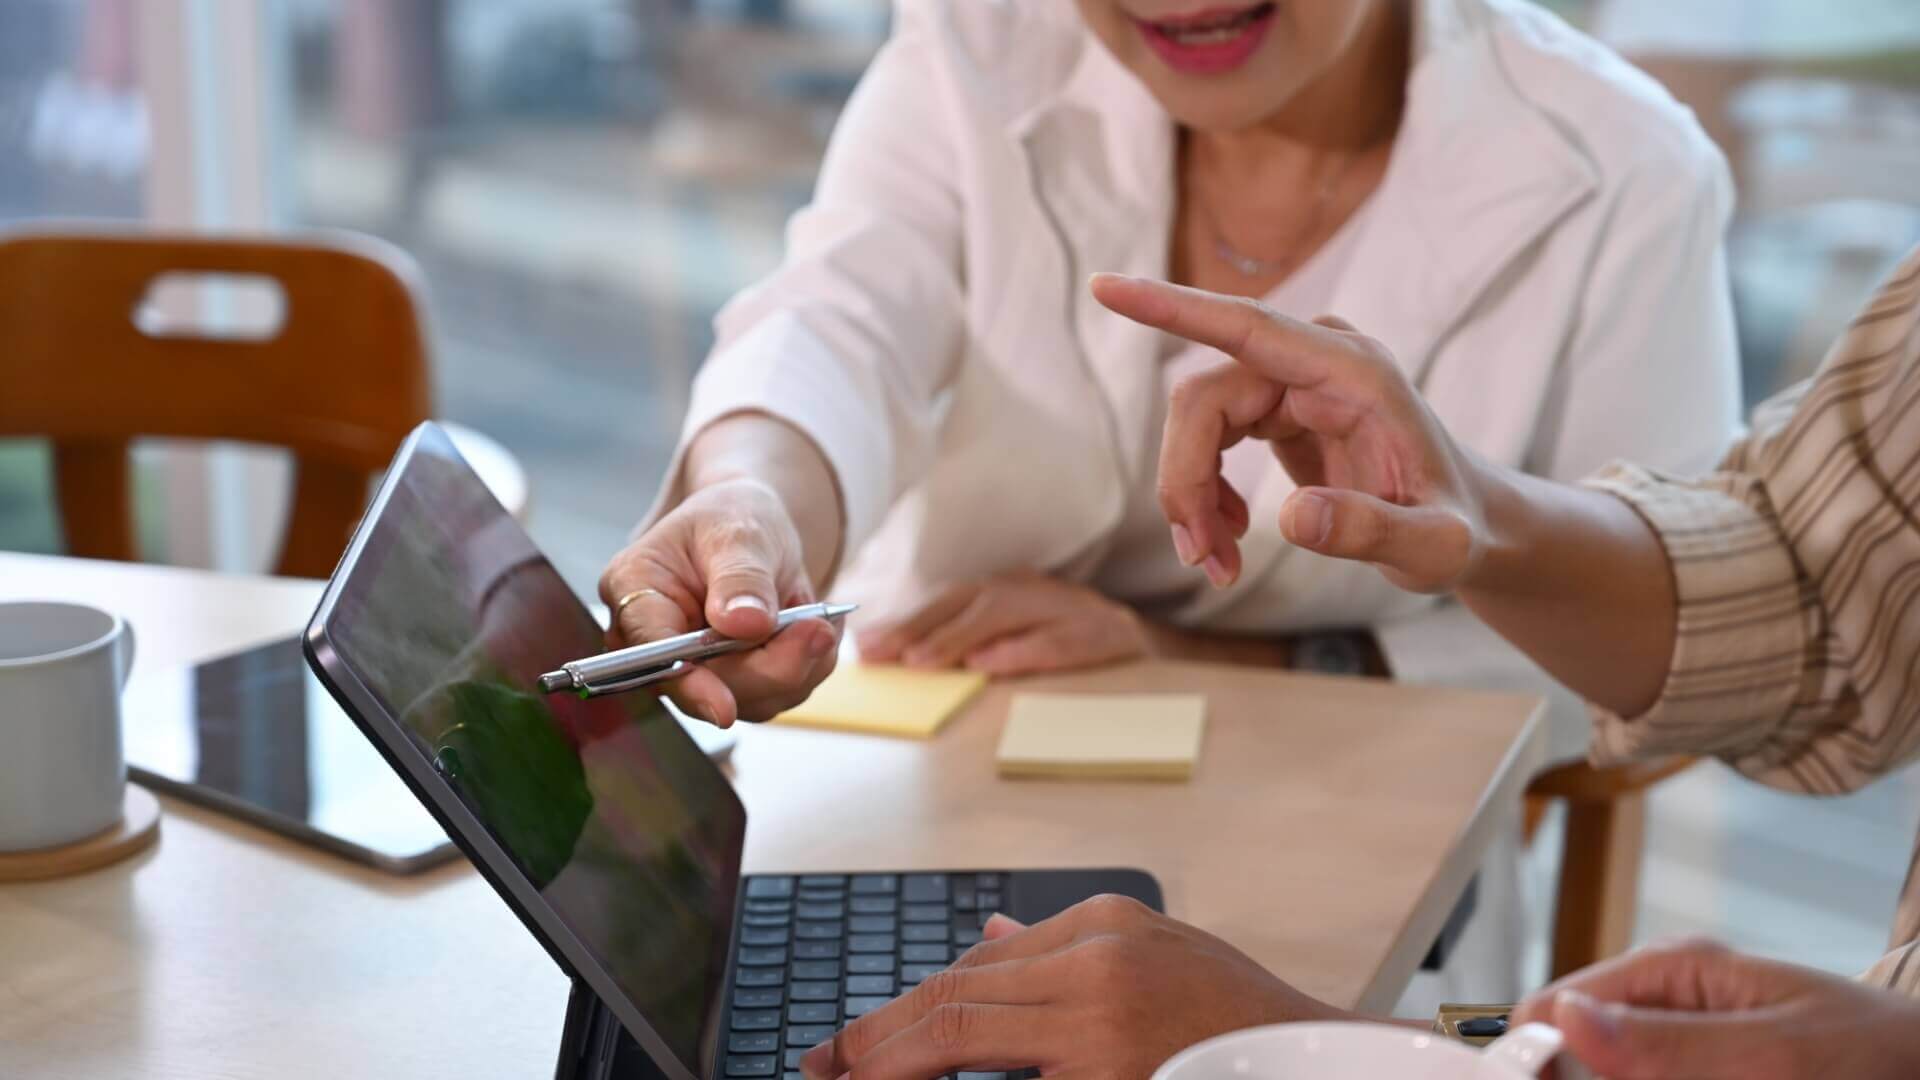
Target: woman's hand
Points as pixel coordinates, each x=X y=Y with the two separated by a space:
x=728 y=557
x=1700 y=1010
x=1106 y=989
x=1380 y=479
x=1014 y=625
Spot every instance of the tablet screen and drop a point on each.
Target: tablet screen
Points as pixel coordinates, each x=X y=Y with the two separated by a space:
x=631 y=835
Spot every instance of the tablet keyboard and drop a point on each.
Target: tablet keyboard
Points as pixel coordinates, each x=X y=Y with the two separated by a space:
x=813 y=952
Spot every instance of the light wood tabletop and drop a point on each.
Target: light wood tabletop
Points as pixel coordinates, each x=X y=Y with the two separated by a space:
x=1328 y=830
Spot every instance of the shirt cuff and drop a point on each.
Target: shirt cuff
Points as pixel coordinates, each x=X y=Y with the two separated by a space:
x=1742 y=636
x=783 y=369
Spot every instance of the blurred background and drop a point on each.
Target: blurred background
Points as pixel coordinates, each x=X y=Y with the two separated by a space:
x=584 y=182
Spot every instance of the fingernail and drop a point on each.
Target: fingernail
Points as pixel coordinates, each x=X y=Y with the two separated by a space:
x=813 y=1063
x=1603 y=1020
x=1184 y=546
x=1217 y=572
x=748 y=600
x=1311 y=520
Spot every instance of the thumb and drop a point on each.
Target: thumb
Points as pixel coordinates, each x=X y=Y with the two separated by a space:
x=1623 y=1041
x=741 y=597
x=1423 y=548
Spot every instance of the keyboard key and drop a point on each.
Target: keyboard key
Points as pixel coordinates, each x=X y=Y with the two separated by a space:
x=753 y=1042
x=821 y=910
x=766 y=918
x=815 y=969
x=986 y=881
x=924 y=932
x=870 y=943
x=965 y=901
x=872 y=924
x=751 y=958
x=981 y=1076
x=756 y=999
x=770 y=907
x=967 y=938
x=915 y=974
x=757 y=1020
x=795 y=1054
x=870 y=964
x=816 y=991
x=769 y=888
x=816 y=950
x=753 y=978
x=861 y=1006
x=924 y=913
x=925 y=954
x=924 y=889
x=752 y=1064
x=990 y=901
x=812 y=1013
x=873 y=905
x=820 y=931
x=762 y=936
x=870 y=984
x=807 y=1038
x=793 y=1076
x=833 y=881
x=822 y=896
x=874 y=884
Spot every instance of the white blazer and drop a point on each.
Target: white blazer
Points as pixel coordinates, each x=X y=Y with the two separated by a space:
x=1544 y=256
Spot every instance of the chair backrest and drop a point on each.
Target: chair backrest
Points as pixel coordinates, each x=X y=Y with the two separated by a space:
x=339 y=384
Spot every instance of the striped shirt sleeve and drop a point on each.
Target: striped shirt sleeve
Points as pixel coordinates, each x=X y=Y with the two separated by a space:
x=1797 y=573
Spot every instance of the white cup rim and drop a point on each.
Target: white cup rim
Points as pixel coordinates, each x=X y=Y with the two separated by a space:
x=114 y=626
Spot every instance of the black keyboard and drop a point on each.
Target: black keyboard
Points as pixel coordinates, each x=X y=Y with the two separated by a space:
x=815 y=951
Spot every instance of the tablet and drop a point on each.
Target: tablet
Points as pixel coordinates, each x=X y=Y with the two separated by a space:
x=255 y=735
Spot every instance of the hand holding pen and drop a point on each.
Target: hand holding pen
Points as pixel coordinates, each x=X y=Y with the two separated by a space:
x=726 y=558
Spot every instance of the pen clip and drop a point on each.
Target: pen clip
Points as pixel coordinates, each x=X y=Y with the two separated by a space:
x=635 y=682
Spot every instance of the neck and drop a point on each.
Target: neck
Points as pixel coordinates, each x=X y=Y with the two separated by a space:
x=1350 y=108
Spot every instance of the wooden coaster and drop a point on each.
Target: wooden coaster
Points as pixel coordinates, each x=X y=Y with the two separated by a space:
x=139 y=827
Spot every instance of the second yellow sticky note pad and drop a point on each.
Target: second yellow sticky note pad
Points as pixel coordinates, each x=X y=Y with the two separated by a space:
x=1103 y=736
x=885 y=700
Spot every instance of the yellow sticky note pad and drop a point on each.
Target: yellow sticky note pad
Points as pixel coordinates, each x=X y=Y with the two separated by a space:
x=1103 y=736
x=885 y=700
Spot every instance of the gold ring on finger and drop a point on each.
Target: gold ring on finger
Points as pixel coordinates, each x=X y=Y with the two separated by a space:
x=620 y=605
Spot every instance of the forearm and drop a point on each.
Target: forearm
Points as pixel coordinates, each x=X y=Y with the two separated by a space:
x=1579 y=582
x=758 y=447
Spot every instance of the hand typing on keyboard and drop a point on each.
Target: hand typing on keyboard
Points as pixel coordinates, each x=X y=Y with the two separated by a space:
x=1107 y=988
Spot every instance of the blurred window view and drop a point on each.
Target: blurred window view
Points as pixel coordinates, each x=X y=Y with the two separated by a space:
x=584 y=182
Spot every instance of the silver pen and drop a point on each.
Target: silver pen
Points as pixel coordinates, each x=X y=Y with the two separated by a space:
x=669 y=658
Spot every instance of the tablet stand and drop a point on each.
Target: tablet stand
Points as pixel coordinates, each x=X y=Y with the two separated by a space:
x=590 y=1043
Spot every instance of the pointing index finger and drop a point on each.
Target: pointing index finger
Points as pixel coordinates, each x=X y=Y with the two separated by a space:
x=1284 y=349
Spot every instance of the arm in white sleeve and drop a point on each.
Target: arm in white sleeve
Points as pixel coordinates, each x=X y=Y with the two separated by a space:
x=852 y=339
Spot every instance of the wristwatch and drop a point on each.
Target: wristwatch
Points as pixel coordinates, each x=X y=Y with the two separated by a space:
x=1329 y=654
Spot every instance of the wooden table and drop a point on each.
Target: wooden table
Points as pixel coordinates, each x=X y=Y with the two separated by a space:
x=1328 y=830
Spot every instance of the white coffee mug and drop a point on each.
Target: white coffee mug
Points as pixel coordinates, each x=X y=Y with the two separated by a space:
x=1356 y=1051
x=62 y=771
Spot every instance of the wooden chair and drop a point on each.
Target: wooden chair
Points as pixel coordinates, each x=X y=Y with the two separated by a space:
x=1599 y=892
x=339 y=385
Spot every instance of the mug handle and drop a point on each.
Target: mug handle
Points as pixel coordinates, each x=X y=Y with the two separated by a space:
x=1526 y=1049
x=123 y=652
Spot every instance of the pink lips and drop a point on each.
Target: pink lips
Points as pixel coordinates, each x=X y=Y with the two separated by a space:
x=1210 y=42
